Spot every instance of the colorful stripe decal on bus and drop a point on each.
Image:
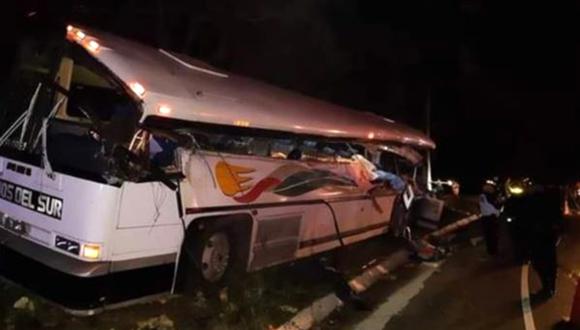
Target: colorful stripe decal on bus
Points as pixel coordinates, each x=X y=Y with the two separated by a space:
x=288 y=180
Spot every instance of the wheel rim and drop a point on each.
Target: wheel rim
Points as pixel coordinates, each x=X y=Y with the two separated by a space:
x=215 y=257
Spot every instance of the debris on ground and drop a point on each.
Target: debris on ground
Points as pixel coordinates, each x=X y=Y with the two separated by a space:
x=224 y=296
x=199 y=300
x=49 y=317
x=447 y=239
x=219 y=326
x=475 y=241
x=254 y=294
x=288 y=309
x=388 y=277
x=426 y=252
x=161 y=322
x=231 y=308
x=24 y=303
x=370 y=264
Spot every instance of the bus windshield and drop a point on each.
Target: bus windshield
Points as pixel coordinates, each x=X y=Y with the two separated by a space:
x=88 y=113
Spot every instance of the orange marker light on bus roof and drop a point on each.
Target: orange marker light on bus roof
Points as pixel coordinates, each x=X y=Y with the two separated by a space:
x=164 y=109
x=80 y=35
x=137 y=88
x=242 y=123
x=93 y=46
x=371 y=135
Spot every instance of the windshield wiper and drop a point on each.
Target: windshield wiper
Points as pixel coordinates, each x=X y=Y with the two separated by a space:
x=22 y=121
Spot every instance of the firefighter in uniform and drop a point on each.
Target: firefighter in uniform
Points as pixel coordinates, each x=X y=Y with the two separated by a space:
x=534 y=216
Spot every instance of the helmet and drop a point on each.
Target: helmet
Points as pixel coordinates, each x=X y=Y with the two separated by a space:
x=490 y=185
x=518 y=187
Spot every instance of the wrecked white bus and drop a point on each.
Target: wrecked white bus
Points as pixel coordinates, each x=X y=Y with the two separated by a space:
x=124 y=168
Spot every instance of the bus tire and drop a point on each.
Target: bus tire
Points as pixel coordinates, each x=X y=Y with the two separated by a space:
x=210 y=257
x=399 y=218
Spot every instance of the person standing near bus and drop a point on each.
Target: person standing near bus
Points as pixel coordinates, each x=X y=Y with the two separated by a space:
x=535 y=214
x=489 y=205
x=546 y=231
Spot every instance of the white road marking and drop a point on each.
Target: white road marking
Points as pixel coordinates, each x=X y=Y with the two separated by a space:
x=320 y=309
x=324 y=306
x=525 y=294
x=398 y=300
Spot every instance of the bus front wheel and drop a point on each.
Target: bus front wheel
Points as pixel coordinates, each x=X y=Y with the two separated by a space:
x=209 y=259
x=214 y=257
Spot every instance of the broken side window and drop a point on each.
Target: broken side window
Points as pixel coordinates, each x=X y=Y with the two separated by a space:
x=252 y=143
x=388 y=162
x=280 y=148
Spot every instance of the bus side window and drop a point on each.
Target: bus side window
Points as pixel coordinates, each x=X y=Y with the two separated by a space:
x=162 y=152
x=259 y=146
x=294 y=154
x=405 y=168
x=318 y=151
x=281 y=148
x=388 y=162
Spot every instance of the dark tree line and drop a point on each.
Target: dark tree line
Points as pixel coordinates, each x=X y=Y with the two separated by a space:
x=495 y=74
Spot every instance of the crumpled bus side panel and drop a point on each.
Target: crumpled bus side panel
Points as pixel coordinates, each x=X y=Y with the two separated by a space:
x=226 y=180
x=296 y=205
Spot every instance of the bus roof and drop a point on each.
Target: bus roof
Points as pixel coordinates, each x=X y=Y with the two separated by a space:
x=177 y=86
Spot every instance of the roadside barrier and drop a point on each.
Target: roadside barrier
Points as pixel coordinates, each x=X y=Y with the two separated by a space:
x=452 y=227
x=323 y=307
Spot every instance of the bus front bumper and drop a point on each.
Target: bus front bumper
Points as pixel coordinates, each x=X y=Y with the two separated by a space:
x=77 y=285
x=51 y=258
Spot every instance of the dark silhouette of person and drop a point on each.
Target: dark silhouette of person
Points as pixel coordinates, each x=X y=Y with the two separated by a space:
x=294 y=154
x=489 y=205
x=535 y=219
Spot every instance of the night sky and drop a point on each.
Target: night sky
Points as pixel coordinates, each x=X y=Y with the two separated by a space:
x=500 y=75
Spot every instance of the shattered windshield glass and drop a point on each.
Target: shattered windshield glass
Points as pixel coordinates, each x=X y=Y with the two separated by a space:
x=69 y=111
x=34 y=62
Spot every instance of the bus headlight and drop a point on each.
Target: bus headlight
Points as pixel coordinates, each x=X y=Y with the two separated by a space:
x=91 y=251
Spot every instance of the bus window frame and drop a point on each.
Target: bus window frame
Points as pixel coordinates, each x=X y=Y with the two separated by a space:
x=81 y=57
x=334 y=160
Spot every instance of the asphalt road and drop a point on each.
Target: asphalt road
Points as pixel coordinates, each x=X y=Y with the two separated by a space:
x=466 y=291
